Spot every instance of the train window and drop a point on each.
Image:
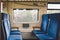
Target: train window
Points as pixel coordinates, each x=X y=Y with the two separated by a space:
x=25 y=15
x=53 y=8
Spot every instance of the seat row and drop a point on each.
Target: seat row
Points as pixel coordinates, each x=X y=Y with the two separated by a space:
x=10 y=34
x=49 y=27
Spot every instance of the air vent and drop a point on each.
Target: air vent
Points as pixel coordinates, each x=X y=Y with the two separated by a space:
x=25 y=25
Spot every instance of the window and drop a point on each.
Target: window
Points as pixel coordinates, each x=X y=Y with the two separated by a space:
x=25 y=15
x=53 y=8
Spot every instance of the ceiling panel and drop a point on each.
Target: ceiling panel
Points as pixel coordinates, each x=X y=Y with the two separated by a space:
x=25 y=0
x=35 y=0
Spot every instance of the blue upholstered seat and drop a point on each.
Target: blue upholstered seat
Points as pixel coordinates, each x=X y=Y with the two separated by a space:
x=6 y=17
x=15 y=37
x=17 y=32
x=14 y=34
x=52 y=29
x=44 y=24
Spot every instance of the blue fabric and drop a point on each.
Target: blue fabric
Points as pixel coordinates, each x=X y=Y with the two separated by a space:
x=11 y=34
x=44 y=22
x=6 y=17
x=15 y=37
x=38 y=32
x=8 y=22
x=44 y=25
x=52 y=29
x=15 y=32
x=6 y=28
x=45 y=37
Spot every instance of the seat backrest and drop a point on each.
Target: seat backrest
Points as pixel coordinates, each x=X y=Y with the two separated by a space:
x=53 y=25
x=6 y=28
x=44 y=23
x=8 y=22
x=5 y=24
x=6 y=17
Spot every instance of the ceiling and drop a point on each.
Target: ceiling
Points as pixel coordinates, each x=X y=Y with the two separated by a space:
x=34 y=0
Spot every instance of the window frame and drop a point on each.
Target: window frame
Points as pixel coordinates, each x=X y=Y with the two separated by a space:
x=27 y=9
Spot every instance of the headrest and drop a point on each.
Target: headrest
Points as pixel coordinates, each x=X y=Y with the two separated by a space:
x=5 y=16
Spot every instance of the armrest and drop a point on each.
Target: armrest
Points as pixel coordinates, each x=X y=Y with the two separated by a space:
x=15 y=28
x=35 y=27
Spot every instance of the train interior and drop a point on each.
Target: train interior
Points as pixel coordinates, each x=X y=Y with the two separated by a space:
x=30 y=19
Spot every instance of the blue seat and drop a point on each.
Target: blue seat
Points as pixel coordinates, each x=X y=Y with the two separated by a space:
x=52 y=29
x=15 y=37
x=10 y=35
x=44 y=24
x=6 y=17
x=17 y=32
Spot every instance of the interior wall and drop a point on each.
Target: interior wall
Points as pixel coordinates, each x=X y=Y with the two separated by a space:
x=42 y=10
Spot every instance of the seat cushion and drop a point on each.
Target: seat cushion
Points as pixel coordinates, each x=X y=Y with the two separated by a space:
x=15 y=32
x=45 y=37
x=38 y=32
x=15 y=37
x=41 y=34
